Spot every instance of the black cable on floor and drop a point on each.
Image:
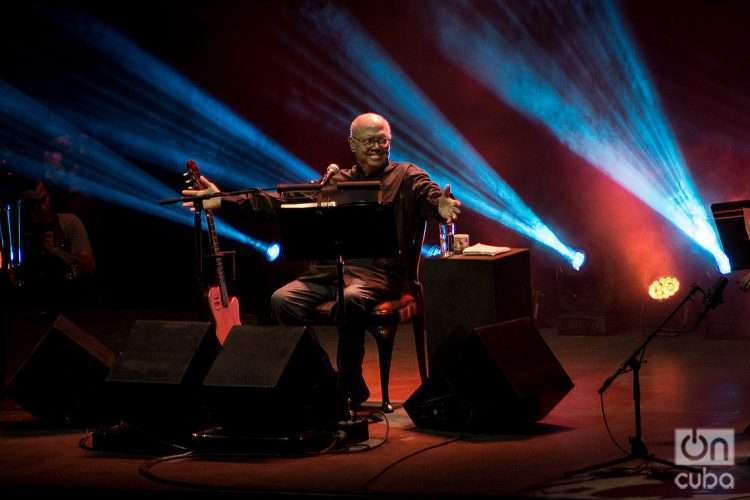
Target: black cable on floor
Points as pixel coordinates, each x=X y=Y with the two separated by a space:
x=407 y=457
x=359 y=448
x=606 y=426
x=87 y=443
x=146 y=469
x=464 y=428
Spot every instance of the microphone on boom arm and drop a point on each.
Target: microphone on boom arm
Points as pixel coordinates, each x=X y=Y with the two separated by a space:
x=332 y=170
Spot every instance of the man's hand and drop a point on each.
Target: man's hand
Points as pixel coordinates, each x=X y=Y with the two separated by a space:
x=448 y=206
x=209 y=188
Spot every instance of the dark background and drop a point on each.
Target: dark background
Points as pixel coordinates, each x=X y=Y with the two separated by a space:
x=696 y=53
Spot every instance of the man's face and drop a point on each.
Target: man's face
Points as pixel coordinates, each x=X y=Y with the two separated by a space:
x=371 y=145
x=54 y=158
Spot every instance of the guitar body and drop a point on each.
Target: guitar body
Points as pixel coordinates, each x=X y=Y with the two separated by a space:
x=225 y=317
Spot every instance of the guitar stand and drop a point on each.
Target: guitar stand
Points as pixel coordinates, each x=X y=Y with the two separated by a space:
x=638 y=448
x=198 y=246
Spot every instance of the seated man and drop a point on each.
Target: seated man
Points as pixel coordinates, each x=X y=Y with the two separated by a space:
x=367 y=281
x=60 y=256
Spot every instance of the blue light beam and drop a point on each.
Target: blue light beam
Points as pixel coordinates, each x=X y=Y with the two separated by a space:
x=101 y=174
x=171 y=93
x=423 y=134
x=582 y=78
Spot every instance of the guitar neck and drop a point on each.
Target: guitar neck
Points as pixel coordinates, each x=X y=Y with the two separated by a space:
x=213 y=238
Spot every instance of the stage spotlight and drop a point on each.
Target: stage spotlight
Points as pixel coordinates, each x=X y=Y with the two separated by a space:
x=663 y=288
x=332 y=43
x=273 y=252
x=573 y=67
x=578 y=259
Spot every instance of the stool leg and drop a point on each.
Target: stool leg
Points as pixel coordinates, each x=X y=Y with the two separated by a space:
x=384 y=337
x=419 y=339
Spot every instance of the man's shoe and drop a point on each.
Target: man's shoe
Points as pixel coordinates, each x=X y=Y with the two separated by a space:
x=359 y=393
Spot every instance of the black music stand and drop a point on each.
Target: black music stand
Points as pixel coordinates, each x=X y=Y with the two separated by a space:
x=349 y=221
x=342 y=221
x=732 y=221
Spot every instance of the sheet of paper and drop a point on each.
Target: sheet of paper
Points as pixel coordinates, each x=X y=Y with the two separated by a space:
x=482 y=249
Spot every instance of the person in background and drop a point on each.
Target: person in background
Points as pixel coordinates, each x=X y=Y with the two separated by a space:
x=60 y=256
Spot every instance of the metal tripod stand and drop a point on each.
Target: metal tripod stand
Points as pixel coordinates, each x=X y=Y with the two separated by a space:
x=634 y=362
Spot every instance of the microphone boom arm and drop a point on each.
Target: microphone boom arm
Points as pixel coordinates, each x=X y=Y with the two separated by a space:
x=220 y=194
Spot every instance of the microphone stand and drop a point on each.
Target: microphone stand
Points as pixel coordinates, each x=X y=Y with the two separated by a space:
x=634 y=362
x=219 y=194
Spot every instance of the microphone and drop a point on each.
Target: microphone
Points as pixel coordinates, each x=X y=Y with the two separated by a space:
x=713 y=298
x=332 y=170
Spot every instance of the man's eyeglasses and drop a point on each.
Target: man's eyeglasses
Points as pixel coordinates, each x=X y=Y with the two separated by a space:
x=372 y=141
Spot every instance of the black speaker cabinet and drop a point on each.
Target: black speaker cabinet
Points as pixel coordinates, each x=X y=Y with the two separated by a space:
x=272 y=378
x=157 y=375
x=462 y=293
x=502 y=376
x=61 y=380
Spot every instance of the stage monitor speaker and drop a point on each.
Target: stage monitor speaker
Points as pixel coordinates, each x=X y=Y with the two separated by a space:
x=270 y=378
x=157 y=375
x=62 y=378
x=503 y=376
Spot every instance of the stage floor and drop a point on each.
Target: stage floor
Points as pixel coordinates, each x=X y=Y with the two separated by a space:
x=689 y=381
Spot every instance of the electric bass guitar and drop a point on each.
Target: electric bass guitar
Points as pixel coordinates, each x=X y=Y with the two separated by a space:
x=225 y=309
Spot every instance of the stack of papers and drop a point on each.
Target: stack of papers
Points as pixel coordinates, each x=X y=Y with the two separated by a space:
x=482 y=249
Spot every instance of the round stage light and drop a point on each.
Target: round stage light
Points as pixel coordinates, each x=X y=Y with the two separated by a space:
x=273 y=251
x=577 y=261
x=663 y=288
